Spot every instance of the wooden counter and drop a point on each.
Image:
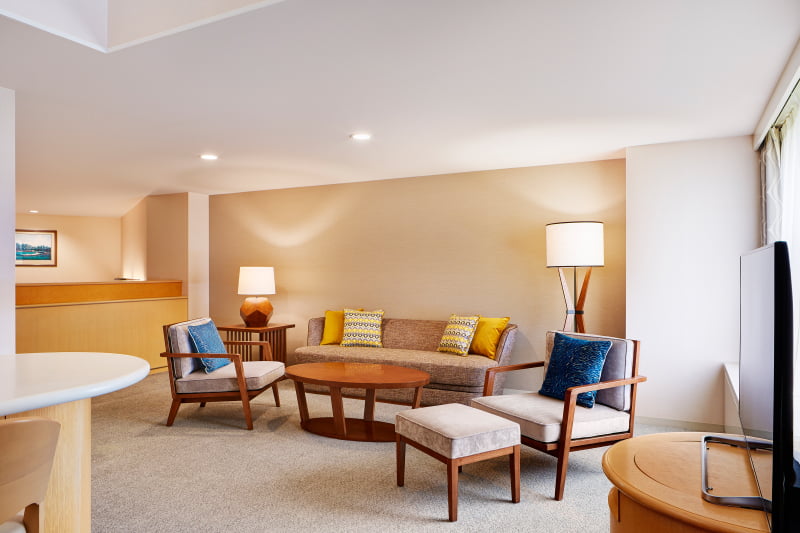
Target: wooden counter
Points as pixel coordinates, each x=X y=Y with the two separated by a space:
x=117 y=317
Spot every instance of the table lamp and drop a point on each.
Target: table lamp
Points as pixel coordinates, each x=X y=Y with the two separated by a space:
x=256 y=283
x=574 y=244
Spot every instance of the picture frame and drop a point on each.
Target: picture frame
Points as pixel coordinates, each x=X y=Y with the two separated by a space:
x=38 y=248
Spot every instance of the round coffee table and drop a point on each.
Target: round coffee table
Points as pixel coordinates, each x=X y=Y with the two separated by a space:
x=371 y=377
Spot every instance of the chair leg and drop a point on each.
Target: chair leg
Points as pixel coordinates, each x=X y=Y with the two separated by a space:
x=401 y=460
x=173 y=410
x=275 y=393
x=452 y=491
x=561 y=472
x=248 y=417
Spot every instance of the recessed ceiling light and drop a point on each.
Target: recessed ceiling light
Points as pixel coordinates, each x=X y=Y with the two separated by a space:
x=209 y=157
x=33 y=211
x=363 y=136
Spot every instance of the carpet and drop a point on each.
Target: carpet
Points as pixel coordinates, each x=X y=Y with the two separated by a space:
x=207 y=473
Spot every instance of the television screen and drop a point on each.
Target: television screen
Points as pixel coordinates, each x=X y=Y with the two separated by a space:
x=766 y=375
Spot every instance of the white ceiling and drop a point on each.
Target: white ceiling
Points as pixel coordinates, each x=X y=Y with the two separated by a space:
x=444 y=86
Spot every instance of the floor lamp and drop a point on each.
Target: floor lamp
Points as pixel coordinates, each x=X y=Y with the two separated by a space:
x=574 y=244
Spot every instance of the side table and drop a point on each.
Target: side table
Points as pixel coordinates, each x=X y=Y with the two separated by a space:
x=275 y=334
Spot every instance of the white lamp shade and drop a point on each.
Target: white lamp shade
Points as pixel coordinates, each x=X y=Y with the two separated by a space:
x=256 y=281
x=572 y=244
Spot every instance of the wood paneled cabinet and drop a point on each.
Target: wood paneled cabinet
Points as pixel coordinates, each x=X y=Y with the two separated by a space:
x=116 y=317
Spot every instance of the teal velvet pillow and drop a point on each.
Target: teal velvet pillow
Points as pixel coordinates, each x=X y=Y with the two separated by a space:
x=205 y=339
x=574 y=362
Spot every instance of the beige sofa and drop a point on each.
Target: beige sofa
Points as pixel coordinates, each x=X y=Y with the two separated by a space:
x=413 y=343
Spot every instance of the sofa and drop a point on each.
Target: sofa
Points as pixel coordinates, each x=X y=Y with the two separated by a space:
x=413 y=344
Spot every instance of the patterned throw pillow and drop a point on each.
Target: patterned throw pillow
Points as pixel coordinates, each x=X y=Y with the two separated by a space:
x=487 y=335
x=362 y=328
x=574 y=362
x=205 y=339
x=458 y=334
x=333 y=328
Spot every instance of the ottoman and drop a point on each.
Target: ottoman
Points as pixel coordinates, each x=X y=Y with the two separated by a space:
x=456 y=435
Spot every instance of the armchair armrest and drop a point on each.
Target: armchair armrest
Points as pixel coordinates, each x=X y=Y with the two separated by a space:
x=231 y=356
x=488 y=383
x=571 y=397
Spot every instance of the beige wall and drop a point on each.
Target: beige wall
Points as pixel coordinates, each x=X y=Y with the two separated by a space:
x=693 y=209
x=88 y=249
x=424 y=248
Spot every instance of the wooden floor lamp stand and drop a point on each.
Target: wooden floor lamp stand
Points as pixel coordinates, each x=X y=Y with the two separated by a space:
x=574 y=318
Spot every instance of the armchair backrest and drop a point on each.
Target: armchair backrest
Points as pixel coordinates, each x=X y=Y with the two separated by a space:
x=620 y=363
x=176 y=338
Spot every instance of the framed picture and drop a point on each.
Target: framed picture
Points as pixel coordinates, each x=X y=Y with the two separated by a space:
x=36 y=248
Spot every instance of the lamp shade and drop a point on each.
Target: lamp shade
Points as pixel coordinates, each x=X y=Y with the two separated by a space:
x=256 y=280
x=573 y=244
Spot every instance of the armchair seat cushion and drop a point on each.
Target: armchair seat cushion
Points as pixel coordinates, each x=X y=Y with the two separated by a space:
x=540 y=417
x=258 y=374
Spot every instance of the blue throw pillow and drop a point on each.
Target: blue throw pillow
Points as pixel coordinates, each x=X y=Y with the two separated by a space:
x=205 y=339
x=574 y=362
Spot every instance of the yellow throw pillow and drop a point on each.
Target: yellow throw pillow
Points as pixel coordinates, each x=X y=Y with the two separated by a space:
x=487 y=335
x=334 y=327
x=362 y=328
x=458 y=334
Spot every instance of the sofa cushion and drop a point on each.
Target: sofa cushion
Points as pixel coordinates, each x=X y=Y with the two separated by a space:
x=362 y=328
x=487 y=335
x=458 y=334
x=468 y=371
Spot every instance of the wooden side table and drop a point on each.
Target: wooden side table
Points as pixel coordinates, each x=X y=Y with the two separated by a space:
x=657 y=486
x=275 y=334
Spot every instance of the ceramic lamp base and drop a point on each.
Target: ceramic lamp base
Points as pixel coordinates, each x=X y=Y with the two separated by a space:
x=256 y=311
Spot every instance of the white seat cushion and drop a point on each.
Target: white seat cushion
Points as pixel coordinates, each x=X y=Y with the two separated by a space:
x=455 y=430
x=13 y=526
x=539 y=417
x=258 y=374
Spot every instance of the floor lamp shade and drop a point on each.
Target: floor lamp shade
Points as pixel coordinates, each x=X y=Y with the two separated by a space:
x=256 y=283
x=574 y=244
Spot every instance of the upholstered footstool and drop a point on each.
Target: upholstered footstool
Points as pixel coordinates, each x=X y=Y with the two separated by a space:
x=456 y=435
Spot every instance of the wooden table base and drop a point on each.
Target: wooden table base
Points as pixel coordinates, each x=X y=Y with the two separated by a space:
x=356 y=429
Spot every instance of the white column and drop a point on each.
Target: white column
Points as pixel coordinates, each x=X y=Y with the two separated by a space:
x=7 y=221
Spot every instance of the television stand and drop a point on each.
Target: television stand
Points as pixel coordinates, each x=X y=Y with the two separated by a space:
x=657 y=480
x=748 y=502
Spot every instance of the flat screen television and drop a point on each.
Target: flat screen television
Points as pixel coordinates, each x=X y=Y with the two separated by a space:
x=766 y=371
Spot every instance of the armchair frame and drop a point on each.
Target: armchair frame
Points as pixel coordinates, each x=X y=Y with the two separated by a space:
x=243 y=394
x=565 y=443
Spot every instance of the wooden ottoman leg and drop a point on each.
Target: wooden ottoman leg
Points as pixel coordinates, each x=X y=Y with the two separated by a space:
x=401 y=460
x=452 y=490
x=513 y=460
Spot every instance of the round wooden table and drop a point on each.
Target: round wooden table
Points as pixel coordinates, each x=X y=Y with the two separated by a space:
x=337 y=375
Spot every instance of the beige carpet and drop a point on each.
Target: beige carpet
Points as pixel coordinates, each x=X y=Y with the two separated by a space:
x=208 y=474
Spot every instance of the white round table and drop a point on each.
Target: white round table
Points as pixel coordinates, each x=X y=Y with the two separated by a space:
x=59 y=386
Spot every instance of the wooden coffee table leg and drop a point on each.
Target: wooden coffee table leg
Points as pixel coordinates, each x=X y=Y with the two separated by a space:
x=338 y=410
x=300 y=390
x=417 y=397
x=369 y=405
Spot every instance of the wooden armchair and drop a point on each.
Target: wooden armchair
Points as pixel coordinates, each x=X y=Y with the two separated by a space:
x=27 y=449
x=239 y=381
x=558 y=427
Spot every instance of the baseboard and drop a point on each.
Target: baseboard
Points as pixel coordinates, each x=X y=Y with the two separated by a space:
x=682 y=425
